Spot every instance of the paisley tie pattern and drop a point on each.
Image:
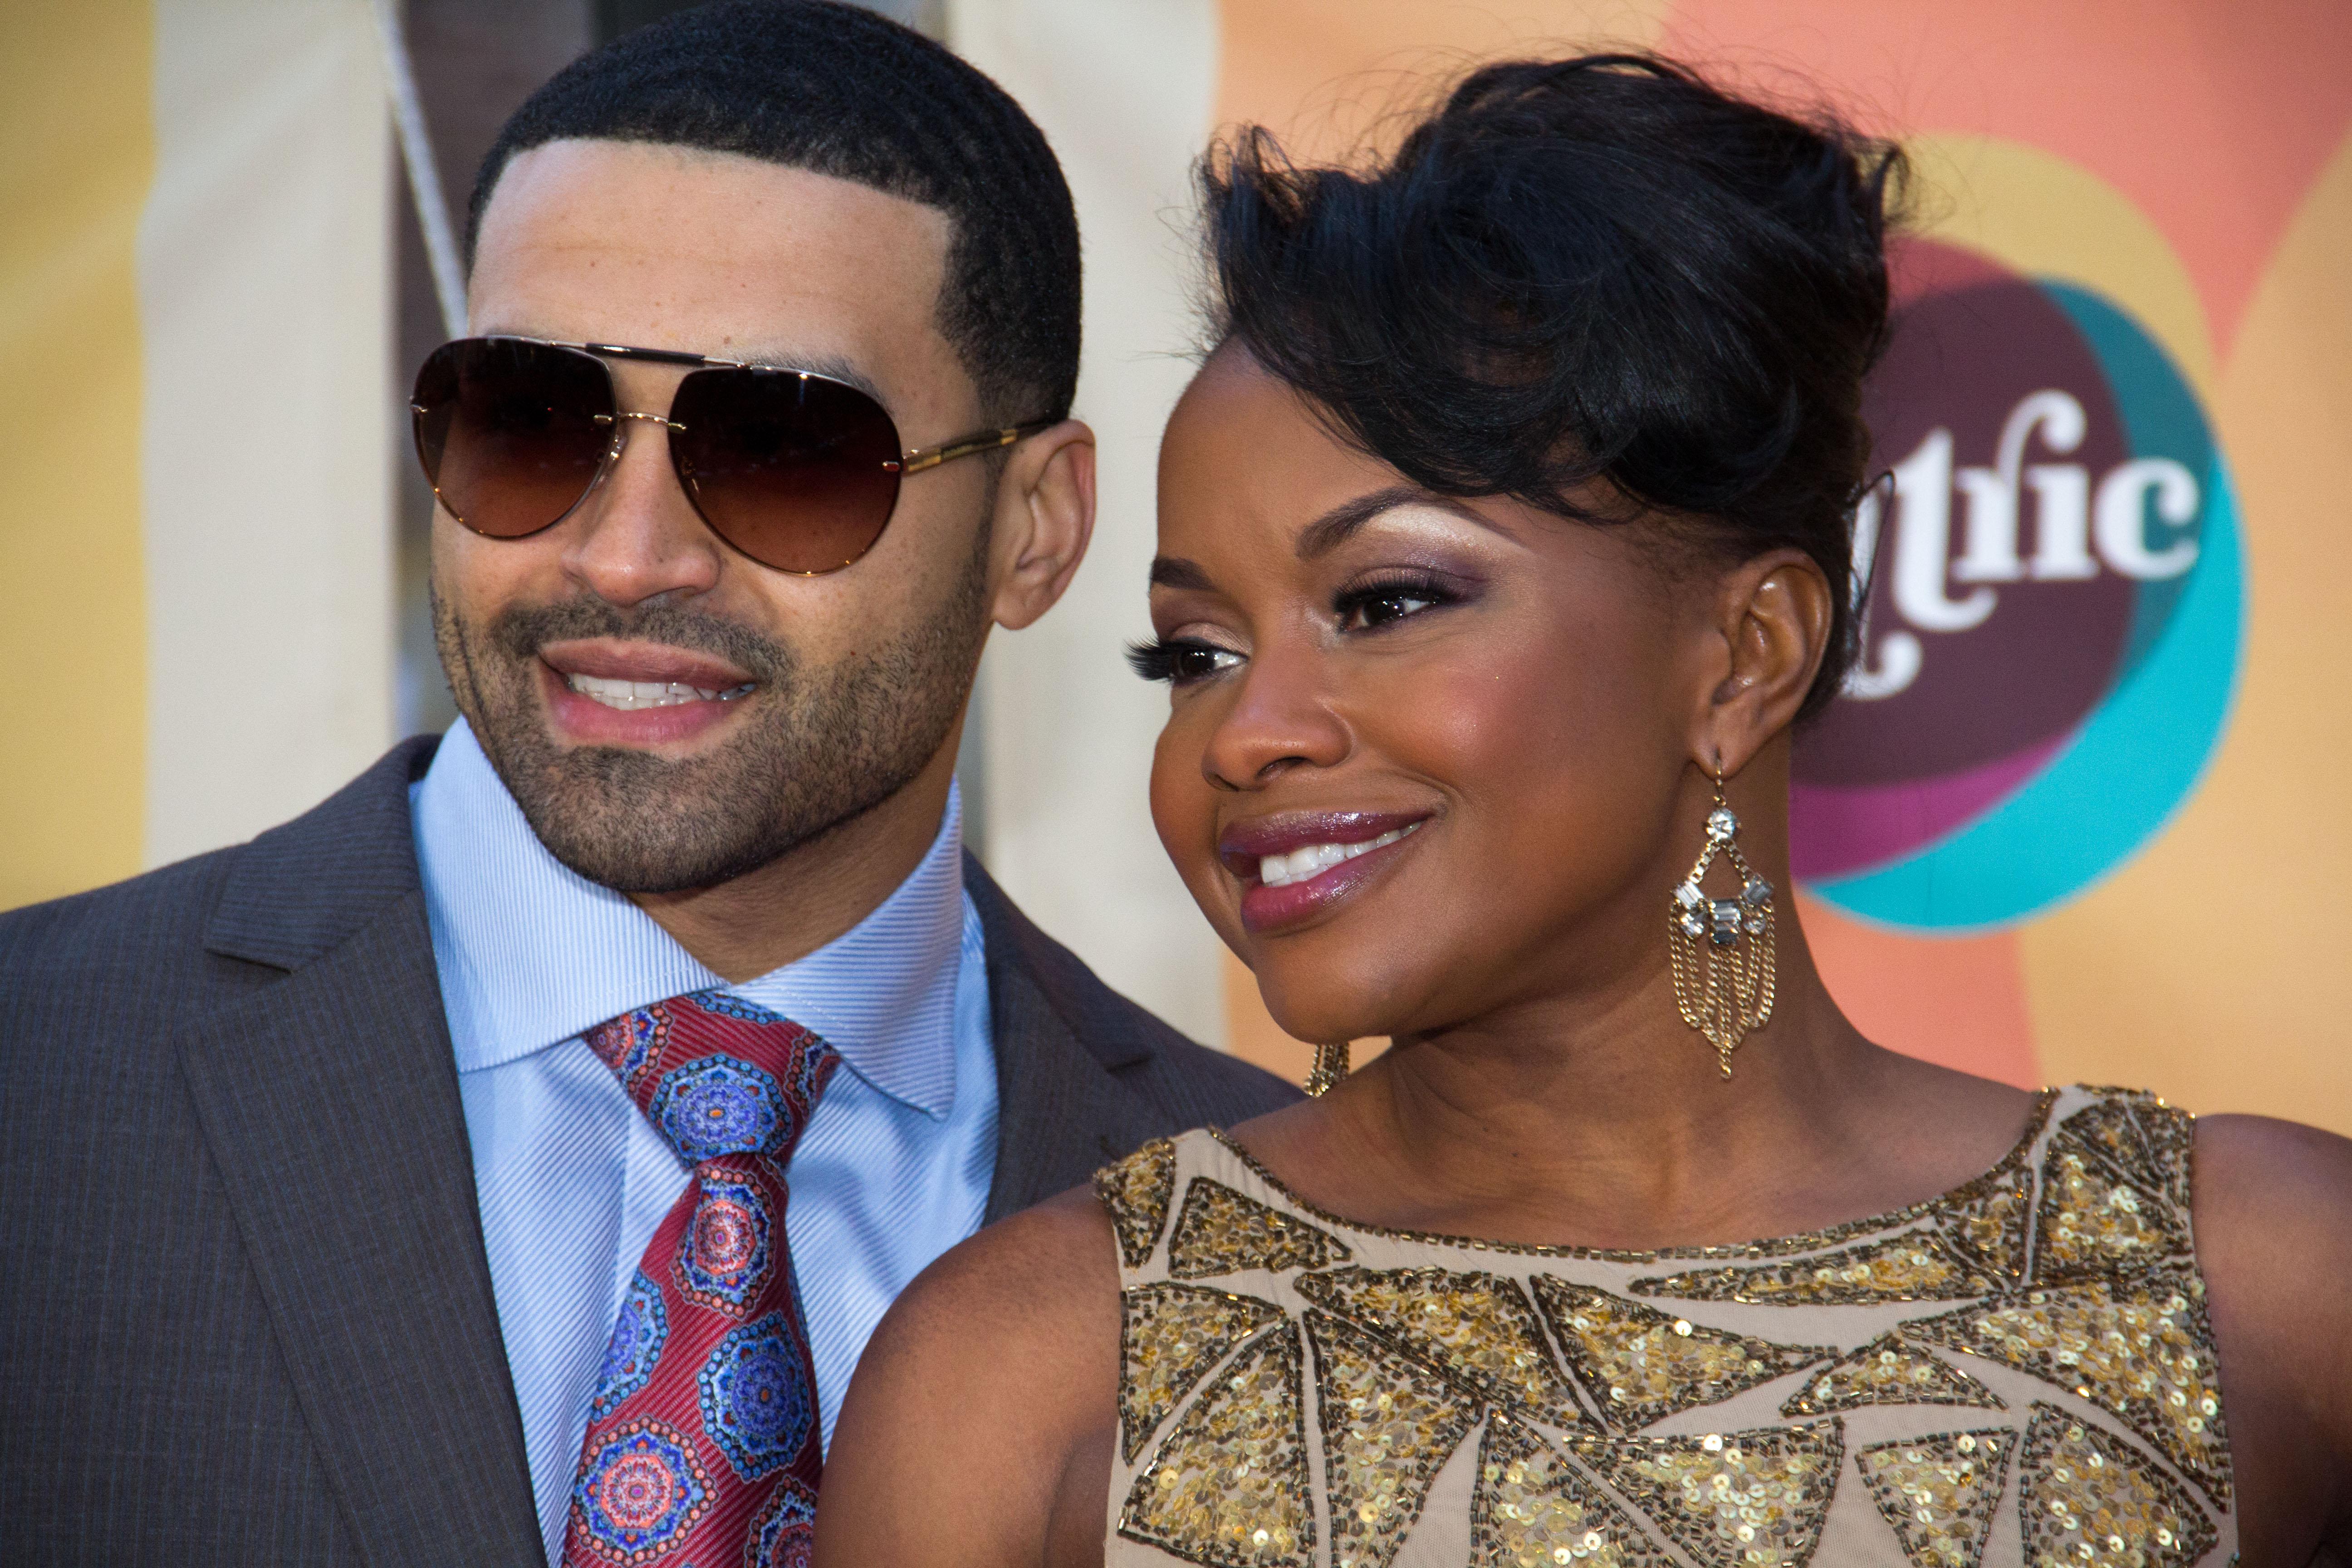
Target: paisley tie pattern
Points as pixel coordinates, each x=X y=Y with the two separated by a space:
x=703 y=1441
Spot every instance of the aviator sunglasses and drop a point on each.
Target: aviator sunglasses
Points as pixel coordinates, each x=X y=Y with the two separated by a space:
x=798 y=470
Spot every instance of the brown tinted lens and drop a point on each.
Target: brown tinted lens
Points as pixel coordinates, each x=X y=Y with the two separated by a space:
x=511 y=433
x=797 y=471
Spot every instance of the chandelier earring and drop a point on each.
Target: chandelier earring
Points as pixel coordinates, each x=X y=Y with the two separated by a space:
x=1720 y=949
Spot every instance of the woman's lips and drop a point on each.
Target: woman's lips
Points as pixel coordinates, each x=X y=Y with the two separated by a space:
x=1293 y=867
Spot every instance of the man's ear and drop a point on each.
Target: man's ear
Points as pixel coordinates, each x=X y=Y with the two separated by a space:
x=1044 y=518
x=1772 y=619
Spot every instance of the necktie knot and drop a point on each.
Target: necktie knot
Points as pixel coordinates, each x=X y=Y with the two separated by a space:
x=717 y=1075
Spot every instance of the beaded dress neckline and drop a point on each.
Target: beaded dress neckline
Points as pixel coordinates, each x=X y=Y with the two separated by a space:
x=2018 y=1371
x=1800 y=1241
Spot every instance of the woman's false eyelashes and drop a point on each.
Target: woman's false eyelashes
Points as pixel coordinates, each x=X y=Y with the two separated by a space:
x=1384 y=598
x=1365 y=605
x=1180 y=662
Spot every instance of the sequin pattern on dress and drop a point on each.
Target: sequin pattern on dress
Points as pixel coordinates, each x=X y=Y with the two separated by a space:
x=1731 y=1499
x=1134 y=1193
x=1914 y=1267
x=2023 y=1362
x=1642 y=1365
x=1169 y=1335
x=1388 y=1424
x=1936 y=1491
x=1479 y=1327
x=1222 y=1232
x=2146 y=1137
x=1989 y=1224
x=2089 y=1498
x=2140 y=1347
x=2094 y=1220
x=1531 y=1508
x=1887 y=1371
x=1228 y=1484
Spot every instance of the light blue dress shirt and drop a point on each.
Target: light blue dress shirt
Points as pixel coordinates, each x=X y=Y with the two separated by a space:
x=894 y=1166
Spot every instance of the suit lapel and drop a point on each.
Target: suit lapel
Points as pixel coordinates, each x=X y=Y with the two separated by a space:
x=1059 y=1116
x=329 y=1102
x=1060 y=1113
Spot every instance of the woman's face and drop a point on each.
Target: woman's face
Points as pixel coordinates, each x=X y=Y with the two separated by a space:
x=1424 y=756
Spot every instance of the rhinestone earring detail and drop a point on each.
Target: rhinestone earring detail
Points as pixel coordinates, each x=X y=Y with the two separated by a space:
x=1331 y=1066
x=1721 y=949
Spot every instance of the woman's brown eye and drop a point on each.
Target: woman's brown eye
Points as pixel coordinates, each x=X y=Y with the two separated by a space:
x=1380 y=609
x=1200 y=660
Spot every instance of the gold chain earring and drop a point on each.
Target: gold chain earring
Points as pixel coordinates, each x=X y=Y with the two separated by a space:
x=1331 y=1066
x=1721 y=949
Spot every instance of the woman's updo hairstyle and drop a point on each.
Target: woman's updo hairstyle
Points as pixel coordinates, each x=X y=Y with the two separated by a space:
x=1598 y=269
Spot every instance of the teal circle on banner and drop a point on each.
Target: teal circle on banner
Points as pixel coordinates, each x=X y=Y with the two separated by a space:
x=1985 y=838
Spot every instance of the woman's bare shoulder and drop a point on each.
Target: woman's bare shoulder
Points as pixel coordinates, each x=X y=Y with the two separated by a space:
x=987 y=1287
x=971 y=1432
x=2272 y=1195
x=2271 y=1203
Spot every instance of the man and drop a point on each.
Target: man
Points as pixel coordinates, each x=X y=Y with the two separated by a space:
x=408 y=1186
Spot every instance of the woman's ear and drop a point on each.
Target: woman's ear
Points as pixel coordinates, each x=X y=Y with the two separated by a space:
x=1773 y=613
x=1044 y=518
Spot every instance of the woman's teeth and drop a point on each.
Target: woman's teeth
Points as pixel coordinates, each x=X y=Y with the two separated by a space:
x=1314 y=859
x=630 y=695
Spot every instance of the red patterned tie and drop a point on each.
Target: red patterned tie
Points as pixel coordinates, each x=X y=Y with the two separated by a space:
x=703 y=1444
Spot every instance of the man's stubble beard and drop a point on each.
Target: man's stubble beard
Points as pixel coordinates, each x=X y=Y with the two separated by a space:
x=819 y=749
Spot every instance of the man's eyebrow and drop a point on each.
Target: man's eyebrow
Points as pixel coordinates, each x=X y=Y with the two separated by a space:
x=776 y=356
x=1334 y=528
x=1175 y=572
x=831 y=366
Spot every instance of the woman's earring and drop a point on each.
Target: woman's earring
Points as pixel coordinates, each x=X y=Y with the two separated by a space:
x=1331 y=1066
x=1721 y=949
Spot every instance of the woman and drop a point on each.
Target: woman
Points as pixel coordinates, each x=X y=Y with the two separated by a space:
x=1505 y=540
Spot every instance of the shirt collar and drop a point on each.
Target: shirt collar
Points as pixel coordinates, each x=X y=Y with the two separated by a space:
x=530 y=954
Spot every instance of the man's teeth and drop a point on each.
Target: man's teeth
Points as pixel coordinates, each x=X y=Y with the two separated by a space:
x=1314 y=859
x=630 y=695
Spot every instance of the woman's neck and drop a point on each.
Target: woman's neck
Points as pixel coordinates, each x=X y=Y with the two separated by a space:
x=1599 y=1118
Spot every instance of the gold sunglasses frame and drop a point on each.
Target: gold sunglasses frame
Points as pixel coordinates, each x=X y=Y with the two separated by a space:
x=914 y=462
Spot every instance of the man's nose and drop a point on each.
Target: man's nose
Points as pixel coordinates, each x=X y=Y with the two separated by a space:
x=639 y=537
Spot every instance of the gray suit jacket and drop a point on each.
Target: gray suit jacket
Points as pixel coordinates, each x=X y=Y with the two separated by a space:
x=244 y=1312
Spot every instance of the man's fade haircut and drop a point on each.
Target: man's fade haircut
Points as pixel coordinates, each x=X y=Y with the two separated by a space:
x=841 y=91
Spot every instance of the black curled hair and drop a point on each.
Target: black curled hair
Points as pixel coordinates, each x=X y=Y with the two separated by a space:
x=838 y=90
x=1590 y=276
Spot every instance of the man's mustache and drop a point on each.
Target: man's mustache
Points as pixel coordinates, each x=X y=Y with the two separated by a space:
x=521 y=630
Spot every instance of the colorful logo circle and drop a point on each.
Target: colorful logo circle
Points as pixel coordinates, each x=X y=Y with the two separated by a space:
x=2053 y=613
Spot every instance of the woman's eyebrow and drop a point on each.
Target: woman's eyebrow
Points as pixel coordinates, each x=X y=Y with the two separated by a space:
x=1335 y=527
x=1175 y=572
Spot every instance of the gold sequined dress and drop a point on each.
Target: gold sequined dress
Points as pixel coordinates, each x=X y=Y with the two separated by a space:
x=2019 y=1372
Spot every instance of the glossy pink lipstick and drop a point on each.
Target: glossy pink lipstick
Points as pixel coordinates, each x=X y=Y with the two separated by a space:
x=1297 y=864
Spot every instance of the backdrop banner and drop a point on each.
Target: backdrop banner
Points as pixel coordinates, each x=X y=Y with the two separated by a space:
x=194 y=283
x=2078 y=815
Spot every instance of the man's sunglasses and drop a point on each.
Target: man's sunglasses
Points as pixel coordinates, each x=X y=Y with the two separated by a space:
x=799 y=471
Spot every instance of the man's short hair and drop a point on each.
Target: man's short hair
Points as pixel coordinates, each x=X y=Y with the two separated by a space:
x=841 y=91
